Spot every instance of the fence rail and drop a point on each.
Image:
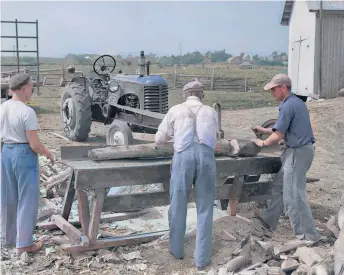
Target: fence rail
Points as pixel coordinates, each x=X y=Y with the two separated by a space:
x=222 y=81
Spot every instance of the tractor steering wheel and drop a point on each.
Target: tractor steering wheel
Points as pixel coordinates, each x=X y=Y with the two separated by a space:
x=104 y=65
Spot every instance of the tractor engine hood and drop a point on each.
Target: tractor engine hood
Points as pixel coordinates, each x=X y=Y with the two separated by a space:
x=150 y=80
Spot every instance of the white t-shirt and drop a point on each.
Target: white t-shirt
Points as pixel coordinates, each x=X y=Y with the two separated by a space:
x=16 y=118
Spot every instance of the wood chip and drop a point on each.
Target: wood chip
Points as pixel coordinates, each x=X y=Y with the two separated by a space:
x=59 y=136
x=308 y=255
x=289 y=265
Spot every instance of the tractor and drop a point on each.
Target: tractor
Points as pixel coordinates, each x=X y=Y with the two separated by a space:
x=129 y=103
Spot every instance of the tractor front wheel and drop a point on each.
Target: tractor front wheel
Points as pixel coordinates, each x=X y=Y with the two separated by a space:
x=119 y=134
x=76 y=113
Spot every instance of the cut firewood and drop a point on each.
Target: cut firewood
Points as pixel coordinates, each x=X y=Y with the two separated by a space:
x=308 y=255
x=59 y=178
x=290 y=246
x=331 y=225
x=238 y=263
x=60 y=136
x=289 y=265
x=339 y=253
x=241 y=148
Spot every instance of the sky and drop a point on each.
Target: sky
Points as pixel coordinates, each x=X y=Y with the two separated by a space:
x=160 y=27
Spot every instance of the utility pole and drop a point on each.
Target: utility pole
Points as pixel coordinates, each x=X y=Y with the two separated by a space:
x=181 y=55
x=320 y=47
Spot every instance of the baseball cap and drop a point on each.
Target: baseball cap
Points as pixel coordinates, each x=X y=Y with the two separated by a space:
x=193 y=86
x=278 y=80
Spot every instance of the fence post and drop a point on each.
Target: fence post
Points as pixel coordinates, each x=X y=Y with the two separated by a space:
x=63 y=76
x=212 y=79
x=245 y=83
x=175 y=76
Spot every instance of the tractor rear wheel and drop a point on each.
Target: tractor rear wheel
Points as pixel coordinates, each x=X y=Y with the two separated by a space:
x=76 y=113
x=119 y=134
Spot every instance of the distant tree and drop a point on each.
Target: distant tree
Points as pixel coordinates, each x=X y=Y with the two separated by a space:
x=219 y=56
x=255 y=57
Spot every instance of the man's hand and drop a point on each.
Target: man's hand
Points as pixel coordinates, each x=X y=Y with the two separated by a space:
x=50 y=156
x=258 y=142
x=260 y=130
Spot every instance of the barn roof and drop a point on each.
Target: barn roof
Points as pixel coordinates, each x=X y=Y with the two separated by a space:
x=313 y=6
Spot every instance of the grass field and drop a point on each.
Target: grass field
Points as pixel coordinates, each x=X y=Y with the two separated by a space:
x=49 y=100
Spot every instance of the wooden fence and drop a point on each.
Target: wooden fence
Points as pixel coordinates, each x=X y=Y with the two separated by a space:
x=249 y=82
x=55 y=77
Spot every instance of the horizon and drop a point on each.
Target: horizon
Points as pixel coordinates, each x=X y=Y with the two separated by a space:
x=195 y=26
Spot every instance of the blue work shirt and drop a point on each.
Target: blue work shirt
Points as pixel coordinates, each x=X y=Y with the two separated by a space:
x=294 y=122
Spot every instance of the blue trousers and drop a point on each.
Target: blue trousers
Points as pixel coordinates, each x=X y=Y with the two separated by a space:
x=19 y=194
x=196 y=166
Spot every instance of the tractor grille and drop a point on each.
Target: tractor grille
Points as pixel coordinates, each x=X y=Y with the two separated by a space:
x=156 y=99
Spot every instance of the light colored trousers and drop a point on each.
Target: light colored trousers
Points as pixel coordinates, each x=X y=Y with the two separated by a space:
x=19 y=194
x=289 y=193
x=196 y=166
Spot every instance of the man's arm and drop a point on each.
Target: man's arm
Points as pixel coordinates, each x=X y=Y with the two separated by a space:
x=280 y=128
x=31 y=128
x=165 y=130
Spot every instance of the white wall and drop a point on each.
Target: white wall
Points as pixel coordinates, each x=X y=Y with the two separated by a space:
x=301 y=56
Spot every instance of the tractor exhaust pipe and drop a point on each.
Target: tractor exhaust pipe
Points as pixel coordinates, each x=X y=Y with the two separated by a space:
x=147 y=67
x=142 y=64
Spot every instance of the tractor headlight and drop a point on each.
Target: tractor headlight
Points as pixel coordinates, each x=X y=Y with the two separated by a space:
x=114 y=86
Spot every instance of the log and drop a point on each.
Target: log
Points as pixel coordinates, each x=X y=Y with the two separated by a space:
x=339 y=244
x=58 y=179
x=308 y=255
x=231 y=148
x=238 y=263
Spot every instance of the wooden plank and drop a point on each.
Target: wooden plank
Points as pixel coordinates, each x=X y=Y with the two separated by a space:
x=235 y=195
x=73 y=233
x=83 y=210
x=96 y=211
x=119 y=173
x=105 y=218
x=69 y=197
x=116 y=241
x=131 y=202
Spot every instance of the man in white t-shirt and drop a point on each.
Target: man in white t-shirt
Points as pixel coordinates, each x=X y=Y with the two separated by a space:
x=19 y=188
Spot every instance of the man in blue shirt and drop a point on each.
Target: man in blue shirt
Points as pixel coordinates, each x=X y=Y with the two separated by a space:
x=289 y=191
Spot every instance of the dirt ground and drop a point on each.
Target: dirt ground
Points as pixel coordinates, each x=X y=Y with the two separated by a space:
x=328 y=123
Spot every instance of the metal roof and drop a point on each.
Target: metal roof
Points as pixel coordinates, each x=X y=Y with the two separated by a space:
x=313 y=6
x=328 y=5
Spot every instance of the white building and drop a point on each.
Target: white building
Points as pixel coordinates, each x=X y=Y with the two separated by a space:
x=316 y=46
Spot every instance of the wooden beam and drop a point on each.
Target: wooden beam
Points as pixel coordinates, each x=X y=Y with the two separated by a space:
x=105 y=218
x=119 y=173
x=235 y=195
x=73 y=233
x=83 y=210
x=138 y=201
x=96 y=211
x=116 y=241
x=69 y=197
